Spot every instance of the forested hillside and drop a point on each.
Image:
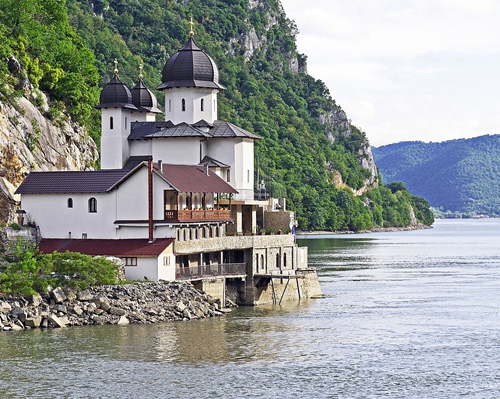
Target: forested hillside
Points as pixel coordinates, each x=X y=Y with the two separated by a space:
x=310 y=150
x=456 y=176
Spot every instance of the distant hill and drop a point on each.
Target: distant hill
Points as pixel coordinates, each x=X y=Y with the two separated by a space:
x=458 y=175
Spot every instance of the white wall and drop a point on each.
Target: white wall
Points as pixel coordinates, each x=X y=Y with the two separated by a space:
x=153 y=268
x=114 y=144
x=239 y=155
x=177 y=150
x=56 y=220
x=140 y=147
x=142 y=117
x=193 y=97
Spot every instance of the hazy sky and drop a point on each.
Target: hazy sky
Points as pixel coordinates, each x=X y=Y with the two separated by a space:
x=406 y=69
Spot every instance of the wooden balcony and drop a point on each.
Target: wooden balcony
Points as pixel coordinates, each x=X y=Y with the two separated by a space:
x=223 y=269
x=198 y=215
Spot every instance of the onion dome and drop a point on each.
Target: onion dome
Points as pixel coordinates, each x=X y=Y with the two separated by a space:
x=116 y=94
x=190 y=67
x=142 y=98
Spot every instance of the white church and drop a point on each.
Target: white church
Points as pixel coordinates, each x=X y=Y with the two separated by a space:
x=175 y=199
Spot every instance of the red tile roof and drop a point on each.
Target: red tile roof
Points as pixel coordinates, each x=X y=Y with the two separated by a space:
x=192 y=178
x=119 y=248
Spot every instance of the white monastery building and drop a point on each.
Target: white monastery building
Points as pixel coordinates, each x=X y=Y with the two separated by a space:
x=175 y=199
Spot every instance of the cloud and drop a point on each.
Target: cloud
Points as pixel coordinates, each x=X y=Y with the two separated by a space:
x=406 y=69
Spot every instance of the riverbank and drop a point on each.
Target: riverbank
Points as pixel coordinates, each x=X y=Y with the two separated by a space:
x=148 y=302
x=372 y=230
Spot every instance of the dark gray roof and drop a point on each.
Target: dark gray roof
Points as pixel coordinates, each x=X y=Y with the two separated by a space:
x=227 y=129
x=135 y=161
x=190 y=67
x=140 y=130
x=143 y=99
x=116 y=95
x=220 y=129
x=99 y=181
x=180 y=130
x=202 y=123
x=212 y=163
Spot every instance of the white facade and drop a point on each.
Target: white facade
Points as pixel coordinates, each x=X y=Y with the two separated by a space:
x=142 y=117
x=128 y=204
x=115 y=128
x=153 y=268
x=238 y=154
x=178 y=150
x=190 y=105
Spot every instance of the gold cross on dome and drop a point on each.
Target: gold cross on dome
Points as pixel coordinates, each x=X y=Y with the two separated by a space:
x=116 y=67
x=191 y=32
x=140 y=72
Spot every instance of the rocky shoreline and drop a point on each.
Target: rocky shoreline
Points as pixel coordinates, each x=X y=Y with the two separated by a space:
x=372 y=230
x=148 y=302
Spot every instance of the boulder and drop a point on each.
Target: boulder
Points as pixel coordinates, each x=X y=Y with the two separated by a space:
x=117 y=311
x=33 y=322
x=36 y=300
x=59 y=295
x=123 y=321
x=56 y=321
x=5 y=307
x=84 y=295
x=78 y=310
x=60 y=308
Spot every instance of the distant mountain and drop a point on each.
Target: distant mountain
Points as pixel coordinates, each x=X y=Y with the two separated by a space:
x=458 y=175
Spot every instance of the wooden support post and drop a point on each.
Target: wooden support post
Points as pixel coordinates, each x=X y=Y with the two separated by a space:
x=298 y=288
x=283 y=294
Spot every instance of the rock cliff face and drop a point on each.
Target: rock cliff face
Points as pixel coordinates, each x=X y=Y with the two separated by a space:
x=29 y=141
x=337 y=126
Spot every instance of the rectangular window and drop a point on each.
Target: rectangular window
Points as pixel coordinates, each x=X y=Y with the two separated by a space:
x=84 y=236
x=130 y=261
x=166 y=261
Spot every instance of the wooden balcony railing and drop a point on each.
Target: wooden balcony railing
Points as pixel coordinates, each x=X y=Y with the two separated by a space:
x=209 y=214
x=223 y=269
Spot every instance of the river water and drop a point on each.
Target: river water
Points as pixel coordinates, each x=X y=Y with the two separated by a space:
x=405 y=315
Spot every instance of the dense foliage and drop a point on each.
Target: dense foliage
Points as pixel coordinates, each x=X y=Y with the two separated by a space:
x=52 y=56
x=456 y=176
x=26 y=272
x=268 y=91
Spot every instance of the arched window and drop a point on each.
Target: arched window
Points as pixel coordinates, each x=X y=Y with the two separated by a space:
x=185 y=235
x=111 y=122
x=183 y=105
x=202 y=101
x=262 y=261
x=257 y=262
x=70 y=202
x=188 y=202
x=284 y=261
x=278 y=261
x=203 y=232
x=179 y=234
x=92 y=205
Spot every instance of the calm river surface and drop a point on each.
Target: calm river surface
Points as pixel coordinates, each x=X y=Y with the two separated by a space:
x=405 y=315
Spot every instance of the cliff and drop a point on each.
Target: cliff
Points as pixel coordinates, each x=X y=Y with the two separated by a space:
x=30 y=141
